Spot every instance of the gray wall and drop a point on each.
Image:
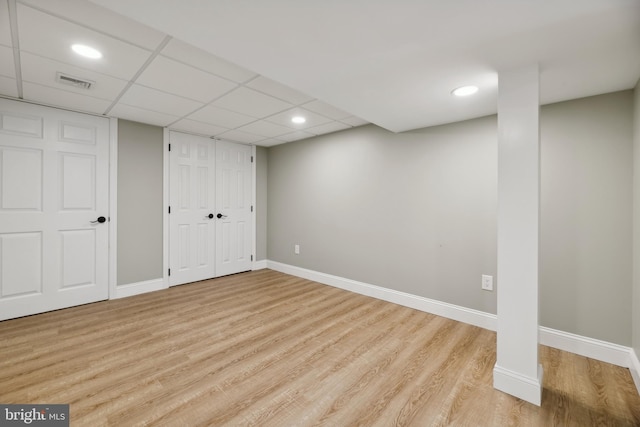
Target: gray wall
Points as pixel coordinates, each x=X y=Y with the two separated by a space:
x=413 y=211
x=416 y=211
x=586 y=216
x=261 y=203
x=140 y=152
x=636 y=219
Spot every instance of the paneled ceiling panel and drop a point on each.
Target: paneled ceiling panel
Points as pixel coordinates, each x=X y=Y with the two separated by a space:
x=155 y=100
x=8 y=87
x=5 y=28
x=42 y=71
x=198 y=127
x=51 y=37
x=141 y=115
x=312 y=119
x=7 y=67
x=326 y=110
x=221 y=117
x=295 y=136
x=239 y=136
x=255 y=104
x=198 y=58
x=180 y=79
x=354 y=121
x=266 y=129
x=279 y=91
x=103 y=20
x=65 y=99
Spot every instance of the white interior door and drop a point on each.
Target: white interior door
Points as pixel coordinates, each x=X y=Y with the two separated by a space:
x=54 y=185
x=192 y=208
x=234 y=228
x=210 y=220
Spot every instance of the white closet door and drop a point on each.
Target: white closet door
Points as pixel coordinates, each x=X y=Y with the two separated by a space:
x=192 y=201
x=233 y=202
x=54 y=186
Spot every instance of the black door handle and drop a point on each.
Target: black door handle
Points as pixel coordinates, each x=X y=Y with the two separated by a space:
x=210 y=216
x=220 y=216
x=100 y=219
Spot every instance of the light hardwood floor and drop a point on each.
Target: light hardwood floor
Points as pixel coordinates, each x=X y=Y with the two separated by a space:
x=268 y=349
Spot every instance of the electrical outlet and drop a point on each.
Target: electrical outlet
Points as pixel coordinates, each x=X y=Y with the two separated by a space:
x=296 y=249
x=487 y=282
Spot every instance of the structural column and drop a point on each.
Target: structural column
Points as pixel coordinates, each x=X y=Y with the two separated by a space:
x=517 y=371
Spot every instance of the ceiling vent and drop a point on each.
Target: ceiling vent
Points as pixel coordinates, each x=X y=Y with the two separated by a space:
x=74 y=81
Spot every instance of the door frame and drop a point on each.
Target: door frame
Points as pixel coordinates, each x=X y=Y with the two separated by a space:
x=165 y=203
x=113 y=207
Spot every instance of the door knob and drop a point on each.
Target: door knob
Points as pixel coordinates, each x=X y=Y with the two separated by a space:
x=220 y=216
x=100 y=219
x=210 y=216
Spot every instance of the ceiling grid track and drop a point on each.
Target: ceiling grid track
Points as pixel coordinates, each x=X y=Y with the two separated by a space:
x=15 y=42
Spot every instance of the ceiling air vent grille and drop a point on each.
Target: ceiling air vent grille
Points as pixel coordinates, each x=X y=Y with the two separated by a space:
x=74 y=81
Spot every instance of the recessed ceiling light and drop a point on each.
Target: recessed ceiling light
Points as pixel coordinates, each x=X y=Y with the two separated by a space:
x=465 y=90
x=298 y=119
x=86 y=51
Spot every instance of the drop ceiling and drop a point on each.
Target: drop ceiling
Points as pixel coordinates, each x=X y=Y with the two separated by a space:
x=239 y=70
x=148 y=76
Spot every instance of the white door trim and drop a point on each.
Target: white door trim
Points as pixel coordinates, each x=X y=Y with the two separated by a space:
x=254 y=204
x=113 y=207
x=165 y=204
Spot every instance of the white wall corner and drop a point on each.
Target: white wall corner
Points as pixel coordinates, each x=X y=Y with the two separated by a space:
x=138 y=288
x=634 y=367
x=525 y=388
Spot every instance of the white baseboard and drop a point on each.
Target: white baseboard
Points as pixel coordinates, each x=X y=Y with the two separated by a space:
x=634 y=367
x=529 y=389
x=259 y=265
x=450 y=311
x=139 y=288
x=595 y=349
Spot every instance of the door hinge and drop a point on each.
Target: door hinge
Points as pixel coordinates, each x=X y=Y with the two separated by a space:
x=251 y=208
x=169 y=209
x=251 y=159
x=169 y=147
x=251 y=257
x=169 y=272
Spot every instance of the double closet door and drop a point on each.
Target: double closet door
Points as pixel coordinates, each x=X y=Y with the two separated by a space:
x=210 y=211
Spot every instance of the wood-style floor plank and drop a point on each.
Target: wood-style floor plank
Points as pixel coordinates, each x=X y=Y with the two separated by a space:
x=268 y=349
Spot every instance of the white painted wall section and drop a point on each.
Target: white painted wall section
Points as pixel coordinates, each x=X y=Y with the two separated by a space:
x=517 y=371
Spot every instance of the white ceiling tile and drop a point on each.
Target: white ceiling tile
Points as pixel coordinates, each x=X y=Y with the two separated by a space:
x=295 y=136
x=180 y=79
x=42 y=71
x=52 y=37
x=155 y=100
x=326 y=110
x=221 y=117
x=328 y=128
x=194 y=126
x=7 y=67
x=354 y=121
x=250 y=102
x=129 y=112
x=265 y=129
x=278 y=90
x=239 y=136
x=5 y=27
x=313 y=119
x=198 y=58
x=8 y=87
x=65 y=99
x=101 y=19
